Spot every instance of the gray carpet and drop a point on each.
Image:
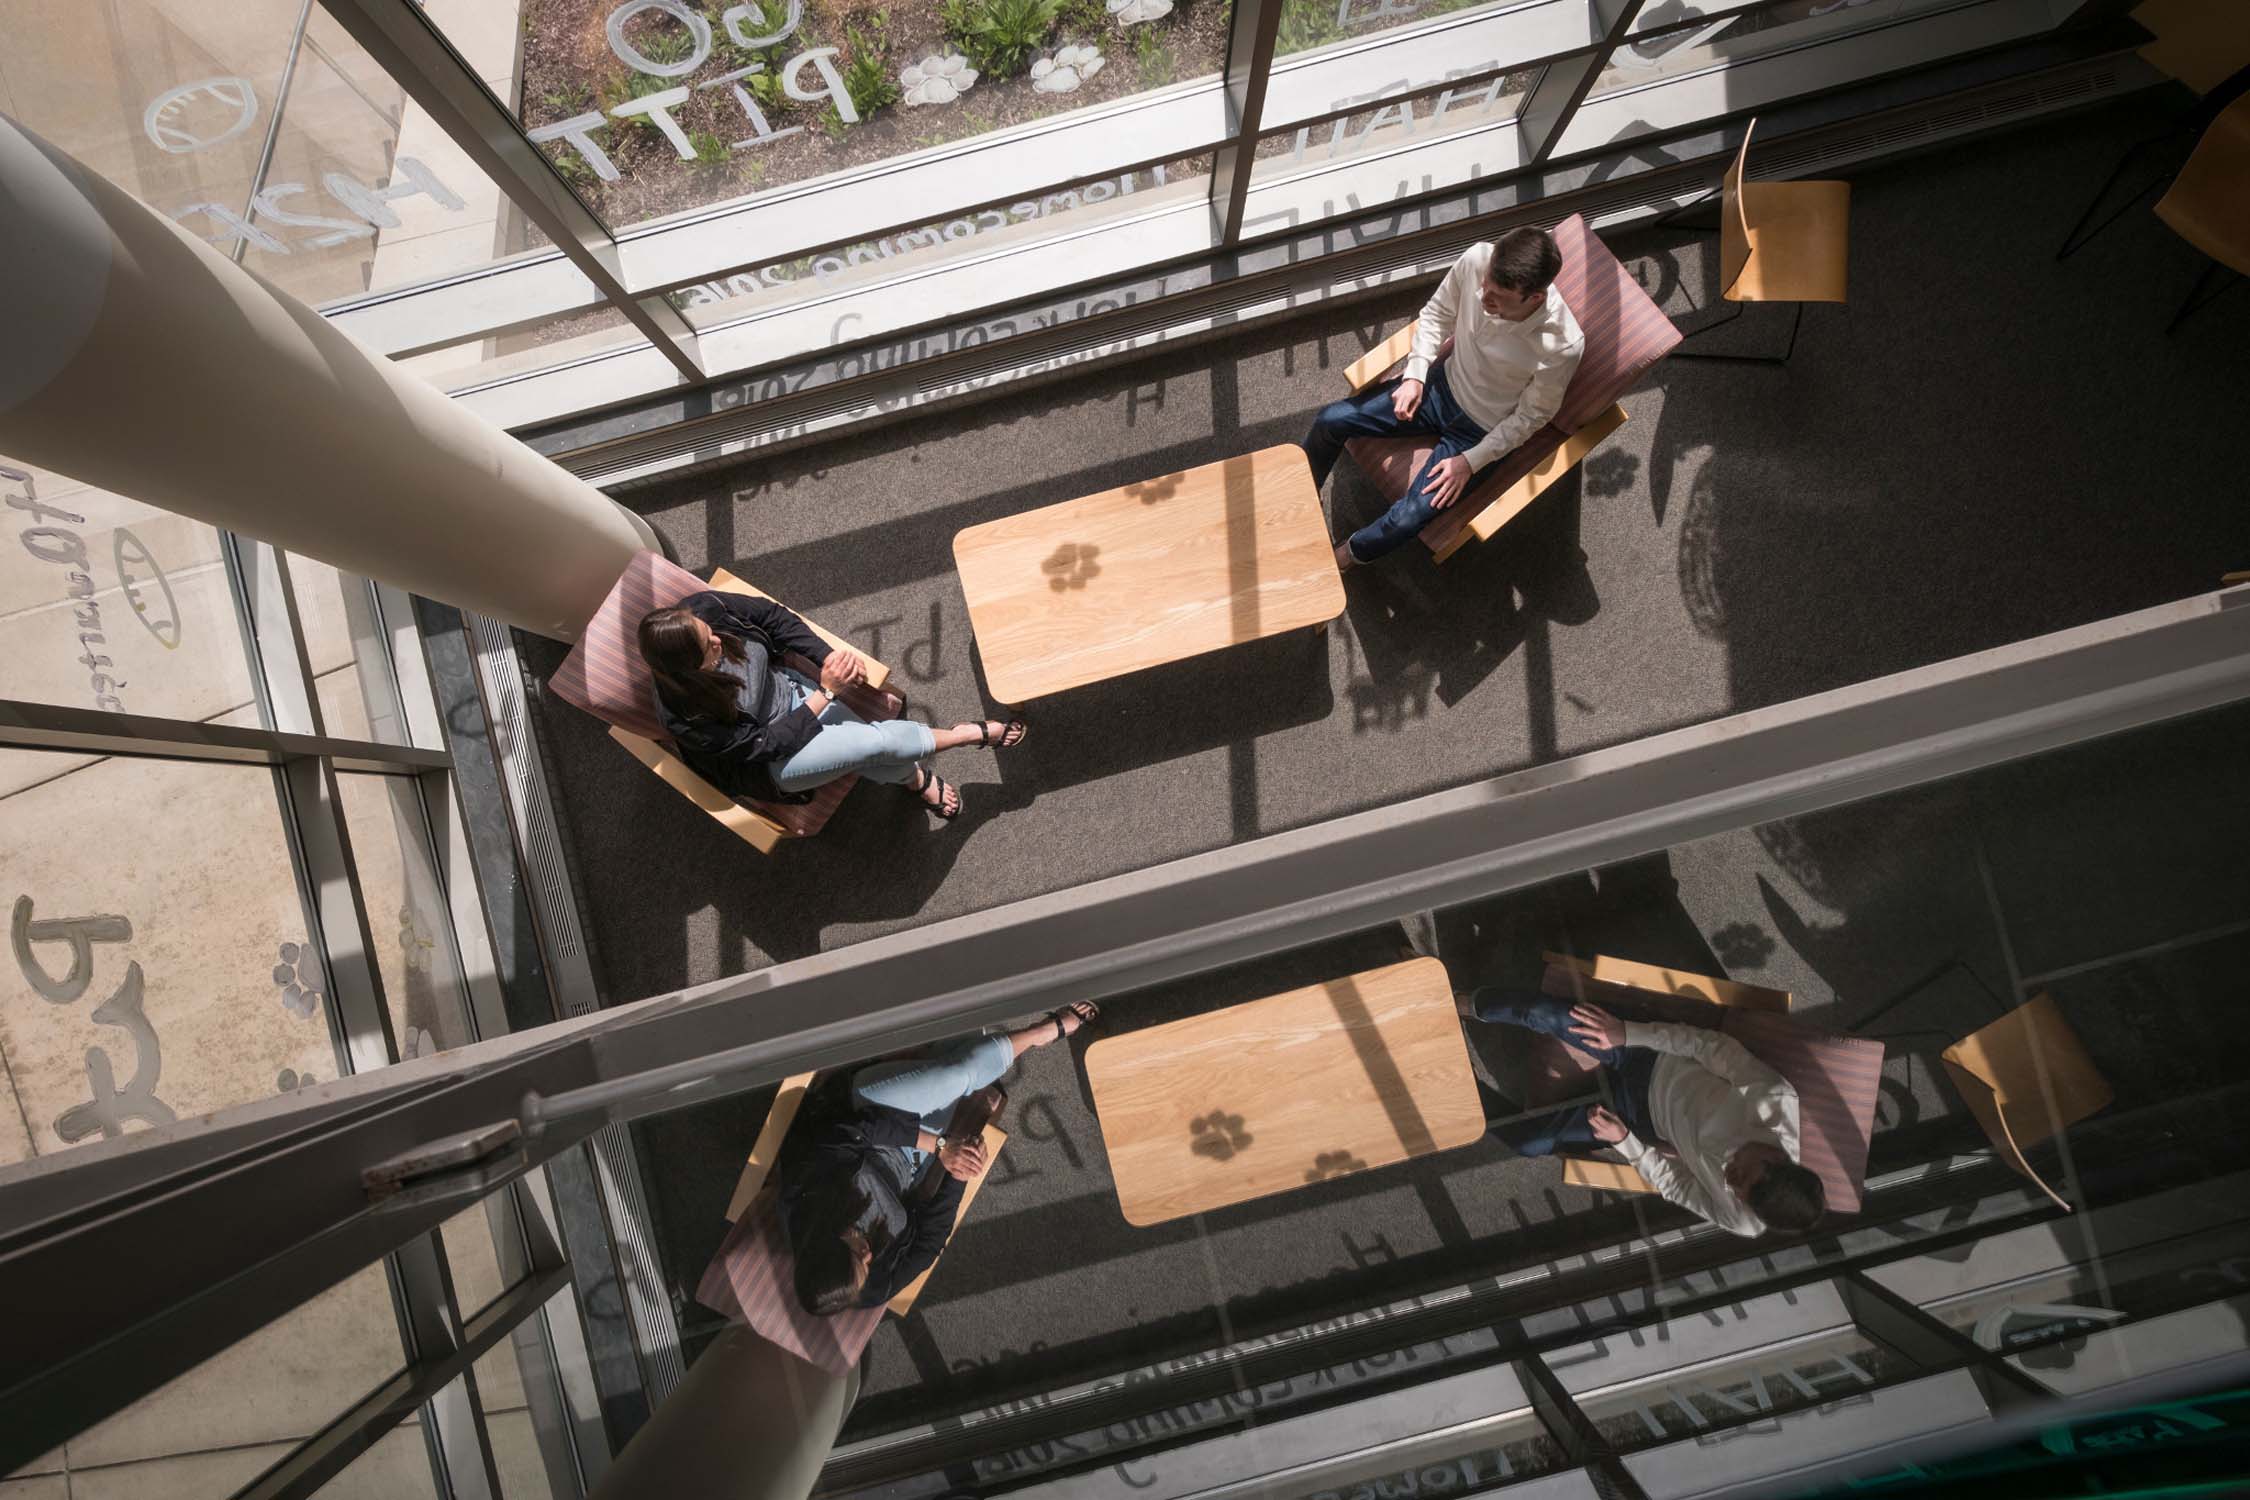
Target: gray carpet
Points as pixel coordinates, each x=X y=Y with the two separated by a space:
x=1982 y=446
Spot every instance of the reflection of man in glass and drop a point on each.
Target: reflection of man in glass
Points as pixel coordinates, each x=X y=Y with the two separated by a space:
x=1515 y=347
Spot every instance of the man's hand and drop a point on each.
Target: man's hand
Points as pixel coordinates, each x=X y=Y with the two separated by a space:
x=1407 y=399
x=1448 y=478
x=1593 y=1027
x=1608 y=1129
x=844 y=668
x=963 y=1159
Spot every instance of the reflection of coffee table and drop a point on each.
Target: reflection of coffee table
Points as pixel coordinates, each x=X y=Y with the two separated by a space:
x=1295 y=1088
x=1151 y=573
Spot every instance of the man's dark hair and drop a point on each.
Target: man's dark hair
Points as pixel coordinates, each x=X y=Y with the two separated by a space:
x=1525 y=260
x=828 y=1276
x=1788 y=1197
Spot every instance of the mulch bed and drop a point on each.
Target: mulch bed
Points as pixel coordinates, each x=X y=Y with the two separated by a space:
x=568 y=68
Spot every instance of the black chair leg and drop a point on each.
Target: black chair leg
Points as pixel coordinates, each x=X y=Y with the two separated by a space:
x=1796 y=320
x=2199 y=299
x=2074 y=242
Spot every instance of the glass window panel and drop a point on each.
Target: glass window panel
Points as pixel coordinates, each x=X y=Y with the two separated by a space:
x=508 y=1417
x=232 y=1417
x=995 y=230
x=1306 y=24
x=396 y=1467
x=1759 y=1382
x=344 y=647
x=1398 y=148
x=290 y=150
x=202 y=990
x=483 y=1266
x=1739 y=37
x=1663 y=15
x=654 y=107
x=406 y=912
x=110 y=604
x=577 y=336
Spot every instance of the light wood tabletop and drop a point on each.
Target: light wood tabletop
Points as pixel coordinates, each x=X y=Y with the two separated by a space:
x=1296 y=1088
x=1148 y=574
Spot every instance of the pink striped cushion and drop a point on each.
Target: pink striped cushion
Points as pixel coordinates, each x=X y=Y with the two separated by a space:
x=1837 y=1078
x=605 y=676
x=751 y=1279
x=1625 y=334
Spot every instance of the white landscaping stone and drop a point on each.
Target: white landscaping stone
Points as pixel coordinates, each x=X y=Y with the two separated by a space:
x=937 y=80
x=1135 y=12
x=1067 y=69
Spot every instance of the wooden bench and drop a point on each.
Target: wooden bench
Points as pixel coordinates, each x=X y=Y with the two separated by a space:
x=1625 y=334
x=605 y=676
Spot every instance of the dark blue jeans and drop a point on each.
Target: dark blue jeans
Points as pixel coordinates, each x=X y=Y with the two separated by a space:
x=1369 y=414
x=1624 y=1076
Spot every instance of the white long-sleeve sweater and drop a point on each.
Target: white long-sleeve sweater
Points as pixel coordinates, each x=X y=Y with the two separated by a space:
x=1708 y=1097
x=1508 y=376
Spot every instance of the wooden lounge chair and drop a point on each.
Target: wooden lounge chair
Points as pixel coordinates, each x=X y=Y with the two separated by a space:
x=605 y=676
x=1625 y=334
x=752 y=1278
x=1838 y=1079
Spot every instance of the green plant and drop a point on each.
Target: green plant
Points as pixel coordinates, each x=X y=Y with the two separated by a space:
x=664 y=42
x=710 y=149
x=1152 y=60
x=867 y=77
x=833 y=123
x=1000 y=37
x=1082 y=17
x=573 y=168
x=766 y=88
x=1306 y=24
x=626 y=85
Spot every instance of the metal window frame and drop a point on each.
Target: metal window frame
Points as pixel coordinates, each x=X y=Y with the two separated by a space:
x=306 y=763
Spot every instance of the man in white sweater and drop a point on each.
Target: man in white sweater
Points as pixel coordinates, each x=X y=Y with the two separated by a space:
x=1730 y=1120
x=1515 y=347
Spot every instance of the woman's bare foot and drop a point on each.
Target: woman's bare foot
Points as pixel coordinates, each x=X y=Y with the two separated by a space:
x=1001 y=736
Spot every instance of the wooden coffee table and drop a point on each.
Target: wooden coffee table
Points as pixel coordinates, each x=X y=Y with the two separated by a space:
x=1148 y=574
x=1292 y=1089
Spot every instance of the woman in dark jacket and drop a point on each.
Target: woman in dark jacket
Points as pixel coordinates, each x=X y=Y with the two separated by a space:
x=756 y=728
x=871 y=1181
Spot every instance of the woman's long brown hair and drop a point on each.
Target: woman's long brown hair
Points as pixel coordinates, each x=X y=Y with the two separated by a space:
x=674 y=654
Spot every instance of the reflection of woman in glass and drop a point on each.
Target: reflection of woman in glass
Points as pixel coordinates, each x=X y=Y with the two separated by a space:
x=755 y=727
x=870 y=1182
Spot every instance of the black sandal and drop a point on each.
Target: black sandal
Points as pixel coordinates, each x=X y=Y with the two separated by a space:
x=1086 y=1011
x=945 y=788
x=1011 y=733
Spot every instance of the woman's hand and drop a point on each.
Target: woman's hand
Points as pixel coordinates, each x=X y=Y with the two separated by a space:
x=844 y=668
x=1608 y=1129
x=962 y=1159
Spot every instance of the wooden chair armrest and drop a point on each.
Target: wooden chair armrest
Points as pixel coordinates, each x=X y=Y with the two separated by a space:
x=725 y=582
x=787 y=1101
x=994 y=1139
x=1377 y=362
x=761 y=833
x=1604 y=1176
x=1661 y=981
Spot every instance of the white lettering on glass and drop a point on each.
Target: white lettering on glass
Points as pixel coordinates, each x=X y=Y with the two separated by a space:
x=173 y=120
x=699 y=33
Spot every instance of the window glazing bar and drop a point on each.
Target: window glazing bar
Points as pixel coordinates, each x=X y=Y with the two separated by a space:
x=1563 y=87
x=90 y=731
x=1250 y=43
x=407 y=46
x=331 y=1451
x=272 y=634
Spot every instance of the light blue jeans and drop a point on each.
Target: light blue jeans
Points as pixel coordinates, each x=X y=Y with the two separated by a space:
x=883 y=751
x=928 y=1086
